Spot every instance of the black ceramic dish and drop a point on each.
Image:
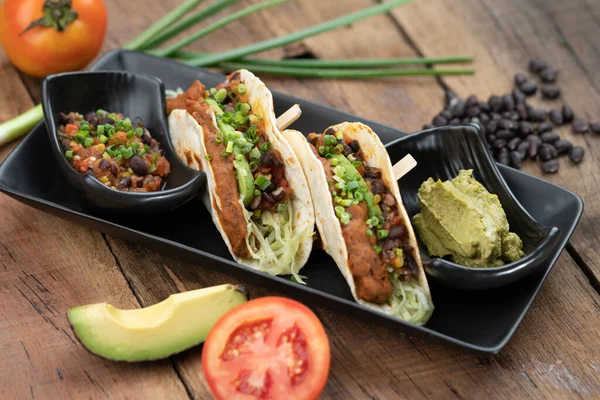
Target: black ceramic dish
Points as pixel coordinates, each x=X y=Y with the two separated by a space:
x=482 y=321
x=136 y=96
x=441 y=153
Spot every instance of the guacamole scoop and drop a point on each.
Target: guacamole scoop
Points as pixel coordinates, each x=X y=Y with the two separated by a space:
x=461 y=220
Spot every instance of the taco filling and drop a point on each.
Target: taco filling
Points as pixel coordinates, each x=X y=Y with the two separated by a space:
x=374 y=233
x=255 y=209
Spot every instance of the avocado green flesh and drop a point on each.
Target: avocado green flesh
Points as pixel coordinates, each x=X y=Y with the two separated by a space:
x=245 y=179
x=176 y=324
x=461 y=219
x=352 y=175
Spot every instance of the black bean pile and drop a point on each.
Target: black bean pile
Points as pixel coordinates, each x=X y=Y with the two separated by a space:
x=515 y=130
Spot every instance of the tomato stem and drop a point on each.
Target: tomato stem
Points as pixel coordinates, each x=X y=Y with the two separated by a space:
x=57 y=14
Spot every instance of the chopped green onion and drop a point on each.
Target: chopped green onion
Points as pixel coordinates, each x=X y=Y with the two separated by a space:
x=376 y=198
x=338 y=149
x=265 y=146
x=221 y=95
x=147 y=148
x=135 y=145
x=345 y=218
x=256 y=193
x=241 y=142
x=242 y=89
x=352 y=185
x=105 y=155
x=104 y=179
x=208 y=157
x=100 y=130
x=357 y=164
x=103 y=139
x=247 y=147
x=377 y=249
x=139 y=131
x=141 y=152
x=225 y=154
x=226 y=117
x=155 y=157
x=382 y=234
x=322 y=150
x=262 y=182
x=358 y=195
x=84 y=126
x=282 y=208
x=101 y=113
x=88 y=142
x=255 y=154
x=232 y=95
x=339 y=135
x=339 y=210
x=126 y=123
x=152 y=168
x=329 y=140
x=239 y=119
x=218 y=137
x=253 y=119
x=399 y=252
x=229 y=147
x=346 y=202
x=127 y=152
x=337 y=199
x=340 y=185
x=369 y=232
x=130 y=134
x=69 y=154
x=253 y=165
x=334 y=161
x=244 y=108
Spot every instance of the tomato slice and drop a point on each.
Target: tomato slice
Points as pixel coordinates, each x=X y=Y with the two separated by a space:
x=268 y=348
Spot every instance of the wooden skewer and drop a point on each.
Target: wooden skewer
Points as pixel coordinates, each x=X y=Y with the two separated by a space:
x=403 y=166
x=289 y=117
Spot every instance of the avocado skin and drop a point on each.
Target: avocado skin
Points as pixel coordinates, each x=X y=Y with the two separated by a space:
x=178 y=323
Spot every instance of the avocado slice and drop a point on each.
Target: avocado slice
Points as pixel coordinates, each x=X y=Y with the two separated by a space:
x=171 y=326
x=244 y=178
x=352 y=173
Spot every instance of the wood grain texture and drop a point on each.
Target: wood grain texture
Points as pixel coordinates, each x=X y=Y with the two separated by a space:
x=42 y=271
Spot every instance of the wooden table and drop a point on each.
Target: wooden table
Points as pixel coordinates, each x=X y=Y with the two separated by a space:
x=48 y=265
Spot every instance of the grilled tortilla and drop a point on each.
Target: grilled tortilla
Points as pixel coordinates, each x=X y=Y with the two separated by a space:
x=361 y=220
x=256 y=191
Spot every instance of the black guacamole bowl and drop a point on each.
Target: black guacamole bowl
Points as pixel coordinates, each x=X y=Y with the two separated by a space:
x=138 y=97
x=440 y=154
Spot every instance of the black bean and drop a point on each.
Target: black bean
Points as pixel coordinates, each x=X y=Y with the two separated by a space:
x=104 y=164
x=428 y=126
x=458 y=109
x=454 y=121
x=377 y=186
x=495 y=103
x=522 y=111
x=528 y=88
x=562 y=146
x=270 y=160
x=268 y=198
x=146 y=138
x=106 y=120
x=372 y=172
x=511 y=115
x=523 y=148
x=502 y=157
x=548 y=74
x=505 y=134
x=580 y=125
x=484 y=118
x=491 y=138
x=492 y=126
x=507 y=124
x=499 y=143
x=64 y=118
x=525 y=128
x=450 y=98
x=483 y=106
x=446 y=114
x=125 y=182
x=138 y=165
x=114 y=169
x=472 y=111
x=536 y=65
x=397 y=232
x=576 y=154
x=508 y=102
x=91 y=118
x=550 y=166
x=547 y=152
x=544 y=127
x=515 y=159
x=466 y=120
x=476 y=120
x=438 y=120
x=514 y=143
x=140 y=183
x=519 y=96
x=471 y=101
x=595 y=127
x=496 y=116
x=520 y=79
x=532 y=152
x=556 y=117
x=536 y=114
x=354 y=145
x=567 y=113
x=549 y=137
x=550 y=91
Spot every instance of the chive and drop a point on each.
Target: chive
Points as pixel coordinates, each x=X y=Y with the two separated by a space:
x=340 y=185
x=369 y=232
x=101 y=113
x=265 y=147
x=229 y=147
x=221 y=95
x=177 y=25
x=241 y=88
x=135 y=145
x=337 y=199
x=88 y=142
x=69 y=154
x=262 y=182
x=84 y=126
x=352 y=185
x=217 y=25
x=239 y=119
x=377 y=249
x=282 y=208
x=212 y=91
x=253 y=165
x=226 y=117
x=382 y=234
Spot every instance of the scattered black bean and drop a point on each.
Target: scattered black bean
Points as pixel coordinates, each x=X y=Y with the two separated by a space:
x=496 y=116
x=595 y=127
x=536 y=114
x=550 y=91
x=522 y=111
x=495 y=103
x=562 y=146
x=458 y=109
x=520 y=79
x=454 y=121
x=515 y=159
x=438 y=120
x=483 y=106
x=549 y=137
x=534 y=147
x=446 y=114
x=519 y=96
x=567 y=113
x=499 y=144
x=106 y=120
x=556 y=117
x=514 y=143
x=491 y=138
x=580 y=125
x=511 y=115
x=505 y=134
x=547 y=152
x=550 y=166
x=537 y=65
x=472 y=111
x=508 y=102
x=576 y=154
x=529 y=88
x=428 y=126
x=492 y=126
x=502 y=157
x=544 y=127
x=507 y=124
x=484 y=118
x=548 y=74
x=471 y=101
x=525 y=128
x=138 y=165
x=523 y=148
x=450 y=98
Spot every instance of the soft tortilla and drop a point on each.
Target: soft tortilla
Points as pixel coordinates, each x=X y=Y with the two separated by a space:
x=187 y=138
x=328 y=224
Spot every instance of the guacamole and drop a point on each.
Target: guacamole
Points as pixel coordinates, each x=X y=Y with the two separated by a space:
x=462 y=220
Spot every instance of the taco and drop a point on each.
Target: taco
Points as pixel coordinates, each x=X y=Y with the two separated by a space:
x=361 y=220
x=256 y=191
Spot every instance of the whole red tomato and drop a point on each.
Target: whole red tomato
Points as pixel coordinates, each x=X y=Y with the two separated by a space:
x=47 y=37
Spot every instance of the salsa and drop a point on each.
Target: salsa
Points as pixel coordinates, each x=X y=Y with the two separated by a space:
x=374 y=232
x=250 y=174
x=122 y=155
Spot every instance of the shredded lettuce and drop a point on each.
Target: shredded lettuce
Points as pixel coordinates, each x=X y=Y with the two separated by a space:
x=272 y=241
x=409 y=301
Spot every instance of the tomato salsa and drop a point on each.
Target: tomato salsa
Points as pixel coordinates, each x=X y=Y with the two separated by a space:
x=121 y=154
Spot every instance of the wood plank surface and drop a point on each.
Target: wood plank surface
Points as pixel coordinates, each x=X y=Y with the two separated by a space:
x=549 y=356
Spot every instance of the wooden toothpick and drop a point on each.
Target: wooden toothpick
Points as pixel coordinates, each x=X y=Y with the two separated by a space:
x=403 y=166
x=289 y=117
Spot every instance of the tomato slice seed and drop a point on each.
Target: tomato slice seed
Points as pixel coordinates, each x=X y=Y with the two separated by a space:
x=244 y=384
x=242 y=338
x=294 y=345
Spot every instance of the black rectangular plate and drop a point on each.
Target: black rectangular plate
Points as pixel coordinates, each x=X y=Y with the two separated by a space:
x=481 y=321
